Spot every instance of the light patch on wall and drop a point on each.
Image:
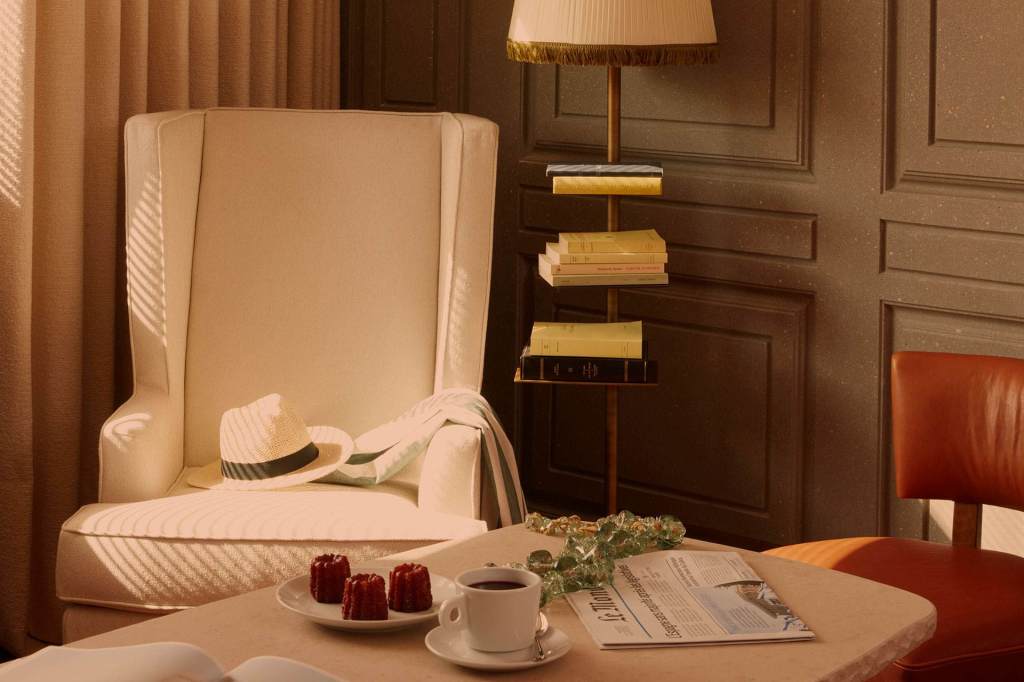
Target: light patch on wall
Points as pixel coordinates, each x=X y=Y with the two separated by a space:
x=12 y=101
x=198 y=546
x=123 y=430
x=147 y=289
x=459 y=302
x=182 y=574
x=1001 y=529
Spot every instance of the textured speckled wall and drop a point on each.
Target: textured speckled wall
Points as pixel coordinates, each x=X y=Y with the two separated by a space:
x=847 y=181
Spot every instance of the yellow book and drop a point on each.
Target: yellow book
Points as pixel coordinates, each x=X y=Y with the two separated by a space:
x=630 y=241
x=557 y=253
x=605 y=184
x=599 y=340
x=643 y=279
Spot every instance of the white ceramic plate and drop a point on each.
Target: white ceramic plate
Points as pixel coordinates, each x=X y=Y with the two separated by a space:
x=294 y=595
x=451 y=646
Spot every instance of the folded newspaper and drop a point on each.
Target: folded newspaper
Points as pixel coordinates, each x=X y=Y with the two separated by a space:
x=679 y=598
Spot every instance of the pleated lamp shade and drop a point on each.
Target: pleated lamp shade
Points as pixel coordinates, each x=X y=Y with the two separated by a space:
x=613 y=32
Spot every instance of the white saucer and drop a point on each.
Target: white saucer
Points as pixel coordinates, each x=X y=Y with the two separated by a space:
x=451 y=646
x=294 y=595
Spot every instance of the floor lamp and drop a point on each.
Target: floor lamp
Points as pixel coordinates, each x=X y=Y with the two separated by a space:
x=612 y=33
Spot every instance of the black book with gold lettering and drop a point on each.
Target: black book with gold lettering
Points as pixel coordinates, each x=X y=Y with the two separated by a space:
x=582 y=369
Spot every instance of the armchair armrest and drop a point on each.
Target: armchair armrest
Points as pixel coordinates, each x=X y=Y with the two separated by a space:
x=450 y=477
x=141 y=450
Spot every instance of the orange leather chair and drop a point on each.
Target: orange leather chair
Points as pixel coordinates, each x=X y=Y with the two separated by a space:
x=958 y=434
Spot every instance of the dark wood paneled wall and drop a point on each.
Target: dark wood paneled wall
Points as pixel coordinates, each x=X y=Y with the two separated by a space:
x=848 y=181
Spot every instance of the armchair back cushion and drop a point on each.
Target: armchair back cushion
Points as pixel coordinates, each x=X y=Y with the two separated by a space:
x=958 y=427
x=315 y=268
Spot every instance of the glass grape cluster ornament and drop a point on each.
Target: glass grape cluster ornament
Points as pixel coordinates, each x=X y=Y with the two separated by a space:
x=591 y=547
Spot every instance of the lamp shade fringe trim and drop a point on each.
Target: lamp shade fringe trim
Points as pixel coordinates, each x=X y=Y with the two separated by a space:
x=611 y=55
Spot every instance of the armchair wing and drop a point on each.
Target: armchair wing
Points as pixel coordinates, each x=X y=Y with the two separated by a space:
x=141 y=443
x=468 y=176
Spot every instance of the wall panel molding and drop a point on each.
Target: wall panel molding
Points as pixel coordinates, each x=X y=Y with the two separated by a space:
x=970 y=255
x=731 y=357
x=750 y=109
x=406 y=56
x=723 y=229
x=953 y=120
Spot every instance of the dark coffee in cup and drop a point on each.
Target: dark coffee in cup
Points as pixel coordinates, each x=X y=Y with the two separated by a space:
x=497 y=585
x=495 y=608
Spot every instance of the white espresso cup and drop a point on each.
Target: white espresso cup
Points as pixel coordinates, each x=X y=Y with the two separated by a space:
x=492 y=615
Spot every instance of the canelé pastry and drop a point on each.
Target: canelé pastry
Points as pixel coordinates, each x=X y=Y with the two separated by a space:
x=409 y=588
x=364 y=598
x=327 y=576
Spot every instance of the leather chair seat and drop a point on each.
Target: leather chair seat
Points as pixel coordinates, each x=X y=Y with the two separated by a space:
x=979 y=596
x=194 y=547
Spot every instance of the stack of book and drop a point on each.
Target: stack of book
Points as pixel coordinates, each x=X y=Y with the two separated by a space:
x=611 y=353
x=606 y=178
x=635 y=257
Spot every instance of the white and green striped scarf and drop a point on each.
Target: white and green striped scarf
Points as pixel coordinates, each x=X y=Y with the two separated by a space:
x=382 y=452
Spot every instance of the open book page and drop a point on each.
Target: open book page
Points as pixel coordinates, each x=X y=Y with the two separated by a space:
x=677 y=597
x=156 y=662
x=141 y=663
x=275 y=669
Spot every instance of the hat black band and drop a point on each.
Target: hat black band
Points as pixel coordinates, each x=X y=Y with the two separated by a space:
x=256 y=471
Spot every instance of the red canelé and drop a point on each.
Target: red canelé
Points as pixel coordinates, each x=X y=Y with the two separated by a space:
x=409 y=588
x=327 y=576
x=364 y=598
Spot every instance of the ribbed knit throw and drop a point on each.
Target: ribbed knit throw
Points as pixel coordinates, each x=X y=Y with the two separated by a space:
x=382 y=452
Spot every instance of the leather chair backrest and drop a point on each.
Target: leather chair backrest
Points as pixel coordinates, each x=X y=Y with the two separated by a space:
x=958 y=427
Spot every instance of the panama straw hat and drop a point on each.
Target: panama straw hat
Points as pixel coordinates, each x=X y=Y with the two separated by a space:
x=265 y=445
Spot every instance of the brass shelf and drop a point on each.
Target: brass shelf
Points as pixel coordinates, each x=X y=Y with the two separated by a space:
x=520 y=380
x=606 y=286
x=606 y=194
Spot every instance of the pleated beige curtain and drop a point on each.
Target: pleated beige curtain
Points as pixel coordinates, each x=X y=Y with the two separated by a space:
x=71 y=73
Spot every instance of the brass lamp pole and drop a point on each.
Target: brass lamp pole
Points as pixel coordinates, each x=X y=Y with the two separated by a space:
x=612 y=33
x=611 y=444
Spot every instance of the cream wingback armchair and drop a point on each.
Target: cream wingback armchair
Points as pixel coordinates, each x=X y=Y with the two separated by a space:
x=340 y=258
